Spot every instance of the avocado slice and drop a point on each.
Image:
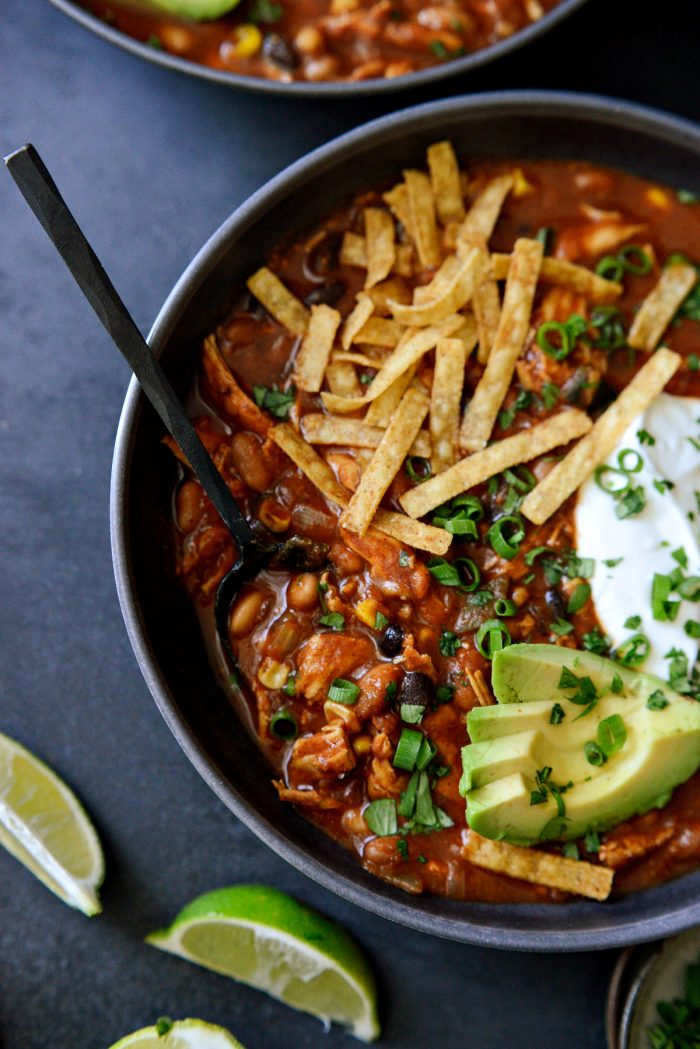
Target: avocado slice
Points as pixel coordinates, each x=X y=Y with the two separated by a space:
x=196 y=10
x=528 y=775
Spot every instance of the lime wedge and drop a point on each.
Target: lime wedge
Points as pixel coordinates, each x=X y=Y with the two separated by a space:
x=266 y=939
x=44 y=825
x=183 y=1034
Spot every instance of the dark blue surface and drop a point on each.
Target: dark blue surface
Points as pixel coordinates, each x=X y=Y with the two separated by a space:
x=151 y=163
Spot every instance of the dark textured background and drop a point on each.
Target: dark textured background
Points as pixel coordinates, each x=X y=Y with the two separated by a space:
x=151 y=163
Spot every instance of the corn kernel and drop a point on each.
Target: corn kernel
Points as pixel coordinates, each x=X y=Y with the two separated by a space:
x=273 y=674
x=340 y=7
x=362 y=744
x=366 y=611
x=244 y=42
x=425 y=636
x=658 y=198
x=521 y=186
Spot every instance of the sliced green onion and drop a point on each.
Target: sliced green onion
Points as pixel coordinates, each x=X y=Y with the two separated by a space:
x=610 y=268
x=407 y=801
x=411 y=713
x=425 y=810
x=690 y=588
x=610 y=479
x=579 y=598
x=420 y=471
x=343 y=691
x=560 y=349
x=380 y=817
x=662 y=609
x=561 y=627
x=612 y=735
x=505 y=535
x=407 y=749
x=536 y=552
x=633 y=651
x=290 y=686
x=521 y=478
x=468 y=570
x=634 y=259
x=505 y=607
x=491 y=637
x=427 y=752
x=594 y=754
x=283 y=725
x=627 y=466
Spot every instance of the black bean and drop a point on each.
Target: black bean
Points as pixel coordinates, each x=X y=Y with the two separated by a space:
x=555 y=603
x=280 y=52
x=391 y=640
x=327 y=293
x=416 y=689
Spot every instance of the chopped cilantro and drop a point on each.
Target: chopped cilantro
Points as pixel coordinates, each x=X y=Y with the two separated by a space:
x=448 y=642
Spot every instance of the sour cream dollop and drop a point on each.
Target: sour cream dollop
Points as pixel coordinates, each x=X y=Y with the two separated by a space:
x=644 y=543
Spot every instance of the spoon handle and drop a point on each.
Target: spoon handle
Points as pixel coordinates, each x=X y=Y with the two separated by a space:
x=41 y=193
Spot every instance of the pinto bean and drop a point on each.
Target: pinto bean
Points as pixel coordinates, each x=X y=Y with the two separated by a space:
x=373 y=685
x=250 y=462
x=245 y=613
x=302 y=592
x=189 y=506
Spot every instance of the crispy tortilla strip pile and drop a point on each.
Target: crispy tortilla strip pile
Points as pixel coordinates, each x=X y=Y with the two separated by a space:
x=451 y=305
x=540 y=868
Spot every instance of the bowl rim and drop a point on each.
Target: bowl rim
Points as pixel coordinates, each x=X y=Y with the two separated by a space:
x=327 y=89
x=681 y=910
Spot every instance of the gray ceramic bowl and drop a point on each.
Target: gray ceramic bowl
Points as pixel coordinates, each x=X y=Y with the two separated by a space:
x=161 y=624
x=331 y=89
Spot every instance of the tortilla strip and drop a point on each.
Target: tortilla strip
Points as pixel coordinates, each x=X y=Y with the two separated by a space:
x=342 y=379
x=353 y=252
x=438 y=285
x=379 y=245
x=483 y=214
x=360 y=359
x=596 y=446
x=421 y=208
x=511 y=451
x=355 y=433
x=380 y=331
x=278 y=300
x=446 y=401
x=391 y=288
x=421 y=536
x=355 y=321
x=540 y=868
x=513 y=326
x=659 y=308
x=456 y=294
x=565 y=275
x=446 y=182
x=381 y=410
x=486 y=303
x=386 y=461
x=315 y=349
x=397 y=199
x=412 y=347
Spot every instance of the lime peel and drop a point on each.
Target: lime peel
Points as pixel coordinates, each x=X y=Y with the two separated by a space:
x=183 y=1034
x=45 y=827
x=266 y=939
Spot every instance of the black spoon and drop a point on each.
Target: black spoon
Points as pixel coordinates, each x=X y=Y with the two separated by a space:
x=41 y=193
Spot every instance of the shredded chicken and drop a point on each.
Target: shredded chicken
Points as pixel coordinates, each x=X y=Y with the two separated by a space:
x=325 y=753
x=327 y=656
